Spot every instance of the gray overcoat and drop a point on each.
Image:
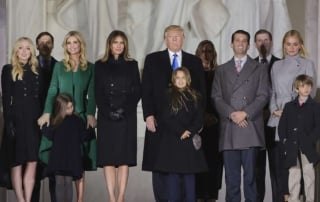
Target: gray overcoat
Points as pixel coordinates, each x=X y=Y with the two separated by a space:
x=245 y=91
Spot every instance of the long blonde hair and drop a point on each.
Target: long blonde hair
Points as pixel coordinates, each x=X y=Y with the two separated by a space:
x=67 y=60
x=17 y=69
x=294 y=33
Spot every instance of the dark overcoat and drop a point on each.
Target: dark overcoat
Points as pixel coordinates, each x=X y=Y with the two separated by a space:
x=21 y=108
x=176 y=155
x=156 y=80
x=299 y=129
x=117 y=86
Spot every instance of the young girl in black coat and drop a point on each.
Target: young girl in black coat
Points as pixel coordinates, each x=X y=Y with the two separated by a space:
x=178 y=156
x=67 y=132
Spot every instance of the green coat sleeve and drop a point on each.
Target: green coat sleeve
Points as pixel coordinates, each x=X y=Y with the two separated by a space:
x=91 y=102
x=53 y=88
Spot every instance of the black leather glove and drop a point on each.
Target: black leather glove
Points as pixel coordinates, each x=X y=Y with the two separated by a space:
x=10 y=130
x=117 y=115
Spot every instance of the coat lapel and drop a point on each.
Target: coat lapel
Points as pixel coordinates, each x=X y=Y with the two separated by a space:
x=248 y=69
x=231 y=73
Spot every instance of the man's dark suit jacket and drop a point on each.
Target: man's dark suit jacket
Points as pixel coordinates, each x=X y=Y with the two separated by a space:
x=156 y=80
x=273 y=59
x=47 y=74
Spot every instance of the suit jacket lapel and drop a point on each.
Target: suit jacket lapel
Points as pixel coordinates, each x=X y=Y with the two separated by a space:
x=165 y=59
x=249 y=67
x=232 y=73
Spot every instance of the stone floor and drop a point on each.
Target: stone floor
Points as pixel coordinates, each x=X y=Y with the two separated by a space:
x=139 y=186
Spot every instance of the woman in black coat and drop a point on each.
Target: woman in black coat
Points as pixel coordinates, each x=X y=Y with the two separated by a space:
x=21 y=97
x=208 y=183
x=117 y=91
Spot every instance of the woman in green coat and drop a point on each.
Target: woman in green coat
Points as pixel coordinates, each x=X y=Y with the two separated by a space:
x=74 y=75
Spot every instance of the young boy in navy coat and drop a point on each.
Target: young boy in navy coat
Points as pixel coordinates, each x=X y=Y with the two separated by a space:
x=299 y=130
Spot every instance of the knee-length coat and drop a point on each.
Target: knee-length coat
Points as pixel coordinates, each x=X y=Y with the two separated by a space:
x=117 y=87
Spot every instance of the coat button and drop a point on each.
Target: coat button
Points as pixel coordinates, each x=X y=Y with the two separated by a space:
x=244 y=98
x=295 y=129
x=25 y=94
x=294 y=142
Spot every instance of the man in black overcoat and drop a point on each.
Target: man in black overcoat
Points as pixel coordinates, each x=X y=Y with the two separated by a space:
x=156 y=79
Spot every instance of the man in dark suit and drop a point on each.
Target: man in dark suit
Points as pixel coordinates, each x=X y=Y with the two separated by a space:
x=263 y=43
x=45 y=44
x=240 y=90
x=156 y=79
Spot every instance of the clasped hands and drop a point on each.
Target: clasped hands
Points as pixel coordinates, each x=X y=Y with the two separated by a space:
x=239 y=118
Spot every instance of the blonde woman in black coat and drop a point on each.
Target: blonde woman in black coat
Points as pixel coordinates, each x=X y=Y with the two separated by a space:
x=21 y=89
x=117 y=91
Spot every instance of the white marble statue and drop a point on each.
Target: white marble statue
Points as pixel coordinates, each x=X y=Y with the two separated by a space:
x=145 y=20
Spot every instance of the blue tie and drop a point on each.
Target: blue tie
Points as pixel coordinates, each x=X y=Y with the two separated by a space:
x=175 y=63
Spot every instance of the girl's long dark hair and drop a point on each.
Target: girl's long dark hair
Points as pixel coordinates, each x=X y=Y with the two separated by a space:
x=60 y=107
x=179 y=96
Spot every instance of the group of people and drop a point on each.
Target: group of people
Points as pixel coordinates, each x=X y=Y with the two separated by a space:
x=50 y=105
x=199 y=117
x=252 y=118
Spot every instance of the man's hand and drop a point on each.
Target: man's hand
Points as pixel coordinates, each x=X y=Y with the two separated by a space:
x=151 y=123
x=243 y=124
x=238 y=116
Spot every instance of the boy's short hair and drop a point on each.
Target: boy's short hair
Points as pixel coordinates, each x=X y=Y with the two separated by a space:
x=303 y=80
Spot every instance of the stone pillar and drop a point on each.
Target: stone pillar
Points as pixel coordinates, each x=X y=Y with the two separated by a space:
x=312 y=43
x=312 y=28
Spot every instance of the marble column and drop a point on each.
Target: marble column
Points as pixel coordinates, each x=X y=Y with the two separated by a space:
x=312 y=28
x=312 y=43
x=3 y=60
x=3 y=32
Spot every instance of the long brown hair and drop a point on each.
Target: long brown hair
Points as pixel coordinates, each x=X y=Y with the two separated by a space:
x=112 y=36
x=180 y=96
x=60 y=108
x=207 y=48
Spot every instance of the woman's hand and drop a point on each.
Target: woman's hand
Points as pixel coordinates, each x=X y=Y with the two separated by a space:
x=91 y=121
x=277 y=113
x=44 y=119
